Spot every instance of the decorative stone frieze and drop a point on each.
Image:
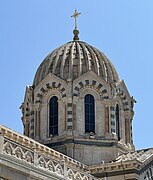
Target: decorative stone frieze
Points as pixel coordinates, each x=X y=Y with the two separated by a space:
x=25 y=149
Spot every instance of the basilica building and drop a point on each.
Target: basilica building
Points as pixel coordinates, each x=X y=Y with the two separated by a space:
x=77 y=117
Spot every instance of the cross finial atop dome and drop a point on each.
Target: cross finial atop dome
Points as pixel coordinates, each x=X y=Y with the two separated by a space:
x=75 y=15
x=75 y=31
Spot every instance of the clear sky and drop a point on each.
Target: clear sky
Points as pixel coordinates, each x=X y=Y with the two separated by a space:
x=122 y=29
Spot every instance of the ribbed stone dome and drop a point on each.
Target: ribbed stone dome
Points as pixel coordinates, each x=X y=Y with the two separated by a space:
x=74 y=59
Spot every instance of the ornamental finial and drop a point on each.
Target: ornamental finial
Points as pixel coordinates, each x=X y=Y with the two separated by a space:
x=75 y=31
x=75 y=15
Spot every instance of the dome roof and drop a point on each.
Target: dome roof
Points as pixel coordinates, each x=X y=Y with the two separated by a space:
x=74 y=59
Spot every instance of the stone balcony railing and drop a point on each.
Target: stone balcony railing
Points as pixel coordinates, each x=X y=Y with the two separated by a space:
x=24 y=149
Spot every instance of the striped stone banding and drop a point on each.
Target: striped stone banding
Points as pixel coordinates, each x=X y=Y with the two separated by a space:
x=76 y=88
x=53 y=84
x=94 y=85
x=63 y=95
x=105 y=97
x=69 y=115
x=32 y=127
x=43 y=90
x=81 y=84
x=69 y=104
x=38 y=101
x=59 y=85
x=39 y=95
x=104 y=91
x=99 y=86
x=87 y=82
x=112 y=123
x=69 y=119
x=69 y=127
x=123 y=97
x=112 y=108
x=112 y=117
x=63 y=89
x=69 y=112
x=112 y=130
x=93 y=82
x=48 y=86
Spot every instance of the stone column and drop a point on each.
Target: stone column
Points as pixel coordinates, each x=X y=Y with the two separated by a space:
x=131 y=135
x=27 y=128
x=69 y=108
x=106 y=119
x=37 y=123
x=127 y=130
x=74 y=117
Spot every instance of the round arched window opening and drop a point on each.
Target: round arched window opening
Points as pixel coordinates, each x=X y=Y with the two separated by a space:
x=53 y=116
x=89 y=103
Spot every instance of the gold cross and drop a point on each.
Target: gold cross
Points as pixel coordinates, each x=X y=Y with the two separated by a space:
x=75 y=15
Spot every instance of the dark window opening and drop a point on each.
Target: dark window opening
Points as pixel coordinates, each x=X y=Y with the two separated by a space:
x=89 y=113
x=53 y=116
x=117 y=122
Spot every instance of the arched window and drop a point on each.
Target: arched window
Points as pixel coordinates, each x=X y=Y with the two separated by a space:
x=117 y=122
x=53 y=116
x=89 y=113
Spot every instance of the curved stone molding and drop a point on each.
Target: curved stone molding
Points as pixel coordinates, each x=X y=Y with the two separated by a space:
x=49 y=87
x=101 y=90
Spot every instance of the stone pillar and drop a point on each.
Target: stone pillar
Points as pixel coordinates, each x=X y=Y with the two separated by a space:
x=122 y=120
x=131 y=135
x=106 y=119
x=74 y=117
x=27 y=128
x=69 y=116
x=127 y=131
x=69 y=107
x=37 y=123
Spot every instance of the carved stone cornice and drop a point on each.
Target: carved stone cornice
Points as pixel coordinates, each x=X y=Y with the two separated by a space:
x=25 y=149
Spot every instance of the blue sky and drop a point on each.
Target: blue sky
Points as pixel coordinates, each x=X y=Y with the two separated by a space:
x=123 y=30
